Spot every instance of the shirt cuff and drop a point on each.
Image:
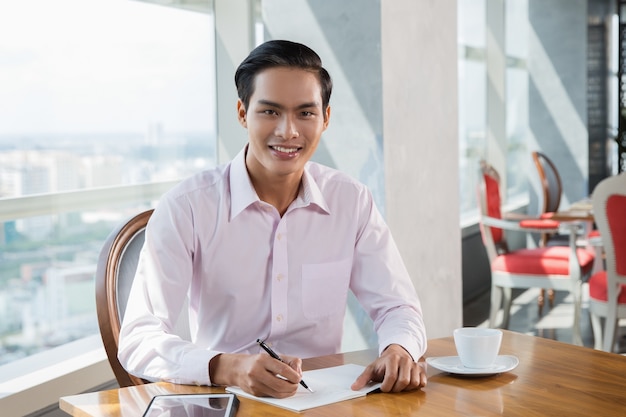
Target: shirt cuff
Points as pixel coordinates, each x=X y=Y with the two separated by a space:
x=412 y=346
x=195 y=367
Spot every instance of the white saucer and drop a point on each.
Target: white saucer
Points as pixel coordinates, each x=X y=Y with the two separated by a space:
x=453 y=365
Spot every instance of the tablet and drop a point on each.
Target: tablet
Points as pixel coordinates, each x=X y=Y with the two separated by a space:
x=193 y=405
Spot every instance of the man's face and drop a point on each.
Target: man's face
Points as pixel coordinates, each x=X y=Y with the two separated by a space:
x=285 y=121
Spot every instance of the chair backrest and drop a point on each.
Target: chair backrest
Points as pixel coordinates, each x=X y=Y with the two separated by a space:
x=114 y=275
x=551 y=185
x=609 y=211
x=490 y=203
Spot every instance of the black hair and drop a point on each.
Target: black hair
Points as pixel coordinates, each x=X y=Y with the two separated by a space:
x=280 y=53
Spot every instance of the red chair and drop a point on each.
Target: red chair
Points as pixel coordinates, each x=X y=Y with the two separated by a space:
x=561 y=268
x=552 y=188
x=607 y=288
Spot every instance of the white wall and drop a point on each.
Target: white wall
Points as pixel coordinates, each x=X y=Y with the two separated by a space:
x=419 y=58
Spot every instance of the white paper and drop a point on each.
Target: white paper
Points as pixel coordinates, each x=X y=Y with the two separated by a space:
x=330 y=385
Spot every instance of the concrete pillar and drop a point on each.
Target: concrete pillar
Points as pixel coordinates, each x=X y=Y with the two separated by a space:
x=419 y=59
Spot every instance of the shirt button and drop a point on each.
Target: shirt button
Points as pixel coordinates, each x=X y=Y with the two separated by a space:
x=280 y=277
x=279 y=236
x=279 y=317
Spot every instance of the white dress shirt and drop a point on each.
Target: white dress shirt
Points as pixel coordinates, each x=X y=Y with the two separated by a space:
x=248 y=273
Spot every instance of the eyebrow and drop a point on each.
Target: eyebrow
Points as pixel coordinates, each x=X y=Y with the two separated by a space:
x=312 y=104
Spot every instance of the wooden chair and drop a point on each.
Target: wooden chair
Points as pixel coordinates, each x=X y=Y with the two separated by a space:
x=553 y=267
x=114 y=275
x=607 y=288
x=552 y=188
x=551 y=185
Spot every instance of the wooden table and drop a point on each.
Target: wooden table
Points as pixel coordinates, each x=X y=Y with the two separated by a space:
x=552 y=379
x=579 y=211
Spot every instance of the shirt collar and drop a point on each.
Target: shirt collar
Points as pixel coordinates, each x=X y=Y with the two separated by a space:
x=310 y=192
x=242 y=193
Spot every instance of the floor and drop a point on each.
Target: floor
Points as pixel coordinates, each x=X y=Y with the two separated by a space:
x=554 y=322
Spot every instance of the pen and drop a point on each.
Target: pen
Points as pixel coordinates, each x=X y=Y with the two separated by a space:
x=275 y=356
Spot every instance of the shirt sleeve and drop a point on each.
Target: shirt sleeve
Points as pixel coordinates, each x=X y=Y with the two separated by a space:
x=149 y=346
x=381 y=283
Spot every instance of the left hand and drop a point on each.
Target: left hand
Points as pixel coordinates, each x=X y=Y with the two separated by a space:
x=397 y=371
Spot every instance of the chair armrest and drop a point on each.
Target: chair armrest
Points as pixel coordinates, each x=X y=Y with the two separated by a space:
x=530 y=226
x=511 y=215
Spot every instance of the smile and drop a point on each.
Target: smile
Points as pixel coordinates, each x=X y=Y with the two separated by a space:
x=285 y=149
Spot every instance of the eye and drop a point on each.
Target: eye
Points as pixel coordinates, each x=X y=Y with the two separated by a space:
x=306 y=114
x=269 y=112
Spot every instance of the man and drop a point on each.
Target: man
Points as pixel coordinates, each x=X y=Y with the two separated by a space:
x=266 y=247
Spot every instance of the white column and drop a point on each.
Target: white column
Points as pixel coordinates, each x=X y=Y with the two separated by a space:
x=419 y=61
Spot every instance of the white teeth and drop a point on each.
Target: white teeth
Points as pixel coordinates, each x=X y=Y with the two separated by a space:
x=285 y=150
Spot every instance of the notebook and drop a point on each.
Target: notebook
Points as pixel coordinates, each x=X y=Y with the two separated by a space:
x=330 y=385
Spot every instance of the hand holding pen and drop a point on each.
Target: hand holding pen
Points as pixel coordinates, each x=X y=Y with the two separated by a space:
x=274 y=355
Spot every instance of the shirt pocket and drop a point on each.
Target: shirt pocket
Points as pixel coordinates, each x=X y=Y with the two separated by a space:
x=325 y=288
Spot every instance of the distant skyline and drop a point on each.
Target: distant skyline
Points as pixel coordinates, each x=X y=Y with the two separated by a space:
x=76 y=66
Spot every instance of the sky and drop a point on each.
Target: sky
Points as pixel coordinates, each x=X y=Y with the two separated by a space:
x=81 y=66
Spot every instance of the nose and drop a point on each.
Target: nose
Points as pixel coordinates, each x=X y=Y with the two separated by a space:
x=287 y=128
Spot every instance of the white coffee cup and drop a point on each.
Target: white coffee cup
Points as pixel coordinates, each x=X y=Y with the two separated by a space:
x=477 y=347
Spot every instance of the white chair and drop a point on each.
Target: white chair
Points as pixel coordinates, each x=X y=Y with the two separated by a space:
x=554 y=267
x=607 y=288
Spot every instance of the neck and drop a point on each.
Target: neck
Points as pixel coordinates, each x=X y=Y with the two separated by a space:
x=279 y=192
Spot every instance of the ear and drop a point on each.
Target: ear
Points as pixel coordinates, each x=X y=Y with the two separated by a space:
x=326 y=117
x=241 y=113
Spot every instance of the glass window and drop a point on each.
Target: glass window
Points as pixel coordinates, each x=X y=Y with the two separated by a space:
x=94 y=95
x=517 y=87
x=473 y=100
x=472 y=72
